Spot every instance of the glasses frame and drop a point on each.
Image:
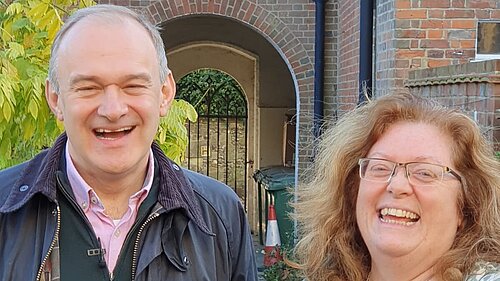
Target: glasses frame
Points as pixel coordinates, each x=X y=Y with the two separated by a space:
x=446 y=169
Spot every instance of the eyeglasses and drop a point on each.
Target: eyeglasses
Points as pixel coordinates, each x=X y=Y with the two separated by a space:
x=418 y=173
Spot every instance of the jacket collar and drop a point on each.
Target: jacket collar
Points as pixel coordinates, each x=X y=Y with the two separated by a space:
x=39 y=176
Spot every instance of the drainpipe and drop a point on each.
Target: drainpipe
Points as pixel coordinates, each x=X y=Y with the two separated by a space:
x=319 y=65
x=365 y=49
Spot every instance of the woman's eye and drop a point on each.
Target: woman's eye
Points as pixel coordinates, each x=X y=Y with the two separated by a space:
x=425 y=173
x=379 y=168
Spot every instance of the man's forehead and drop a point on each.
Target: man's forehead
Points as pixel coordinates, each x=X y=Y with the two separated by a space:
x=101 y=23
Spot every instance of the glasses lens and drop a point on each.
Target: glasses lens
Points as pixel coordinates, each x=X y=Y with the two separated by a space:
x=376 y=170
x=425 y=173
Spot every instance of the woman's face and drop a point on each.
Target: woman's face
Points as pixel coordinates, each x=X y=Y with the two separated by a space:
x=399 y=219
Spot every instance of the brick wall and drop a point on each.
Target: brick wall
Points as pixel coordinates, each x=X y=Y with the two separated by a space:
x=473 y=87
x=413 y=34
x=288 y=24
x=348 y=55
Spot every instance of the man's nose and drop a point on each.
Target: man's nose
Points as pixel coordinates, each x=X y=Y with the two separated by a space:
x=113 y=105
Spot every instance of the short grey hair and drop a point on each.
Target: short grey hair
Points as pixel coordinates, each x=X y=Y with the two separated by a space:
x=110 y=13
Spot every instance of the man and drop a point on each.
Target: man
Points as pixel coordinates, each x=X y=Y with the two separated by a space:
x=104 y=203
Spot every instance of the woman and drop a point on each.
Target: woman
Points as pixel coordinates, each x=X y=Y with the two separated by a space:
x=402 y=189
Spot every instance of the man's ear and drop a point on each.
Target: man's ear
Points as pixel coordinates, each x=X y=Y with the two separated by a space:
x=167 y=94
x=53 y=101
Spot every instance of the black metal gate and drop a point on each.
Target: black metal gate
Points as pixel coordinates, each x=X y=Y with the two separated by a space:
x=217 y=144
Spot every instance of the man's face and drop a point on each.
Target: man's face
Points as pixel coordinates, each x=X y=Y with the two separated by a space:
x=111 y=97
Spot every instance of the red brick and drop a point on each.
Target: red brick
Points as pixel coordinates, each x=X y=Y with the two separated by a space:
x=402 y=4
x=459 y=14
x=483 y=13
x=437 y=63
x=435 y=14
x=411 y=14
x=435 y=24
x=409 y=53
x=463 y=24
x=410 y=33
x=187 y=8
x=454 y=44
x=458 y=3
x=455 y=54
x=495 y=14
x=481 y=4
x=249 y=12
x=467 y=44
x=402 y=63
x=211 y=6
x=435 y=4
x=416 y=63
x=434 y=33
x=436 y=43
x=436 y=54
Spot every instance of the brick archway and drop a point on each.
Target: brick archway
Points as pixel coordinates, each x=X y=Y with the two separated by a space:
x=253 y=15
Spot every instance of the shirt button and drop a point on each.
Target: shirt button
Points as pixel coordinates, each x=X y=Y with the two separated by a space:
x=93 y=200
x=84 y=205
x=23 y=188
x=175 y=167
x=117 y=233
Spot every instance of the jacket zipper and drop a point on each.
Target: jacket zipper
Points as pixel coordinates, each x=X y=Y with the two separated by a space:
x=136 y=243
x=90 y=229
x=52 y=244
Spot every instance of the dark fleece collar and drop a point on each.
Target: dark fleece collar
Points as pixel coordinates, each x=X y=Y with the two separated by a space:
x=39 y=176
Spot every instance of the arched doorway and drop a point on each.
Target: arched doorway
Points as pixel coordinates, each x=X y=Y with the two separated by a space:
x=217 y=144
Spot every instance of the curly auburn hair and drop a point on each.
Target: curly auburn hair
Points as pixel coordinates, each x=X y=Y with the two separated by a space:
x=331 y=246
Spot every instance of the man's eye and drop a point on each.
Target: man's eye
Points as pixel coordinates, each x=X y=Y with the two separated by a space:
x=87 y=88
x=135 y=86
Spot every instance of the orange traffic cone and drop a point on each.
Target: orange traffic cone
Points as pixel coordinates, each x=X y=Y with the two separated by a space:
x=272 y=249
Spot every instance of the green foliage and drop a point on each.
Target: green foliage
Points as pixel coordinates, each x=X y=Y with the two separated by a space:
x=172 y=133
x=27 y=29
x=281 y=270
x=213 y=92
x=497 y=154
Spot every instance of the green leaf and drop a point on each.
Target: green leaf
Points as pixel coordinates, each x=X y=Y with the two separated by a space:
x=5 y=148
x=20 y=23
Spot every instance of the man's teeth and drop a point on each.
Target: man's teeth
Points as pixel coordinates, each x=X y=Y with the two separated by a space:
x=101 y=131
x=106 y=134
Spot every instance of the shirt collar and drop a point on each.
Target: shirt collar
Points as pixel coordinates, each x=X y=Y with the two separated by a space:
x=83 y=192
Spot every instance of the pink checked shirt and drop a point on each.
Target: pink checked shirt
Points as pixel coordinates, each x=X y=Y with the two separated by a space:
x=111 y=232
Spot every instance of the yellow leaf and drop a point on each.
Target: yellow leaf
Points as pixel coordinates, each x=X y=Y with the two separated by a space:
x=38 y=10
x=28 y=130
x=14 y=8
x=16 y=50
x=7 y=111
x=47 y=21
x=33 y=108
